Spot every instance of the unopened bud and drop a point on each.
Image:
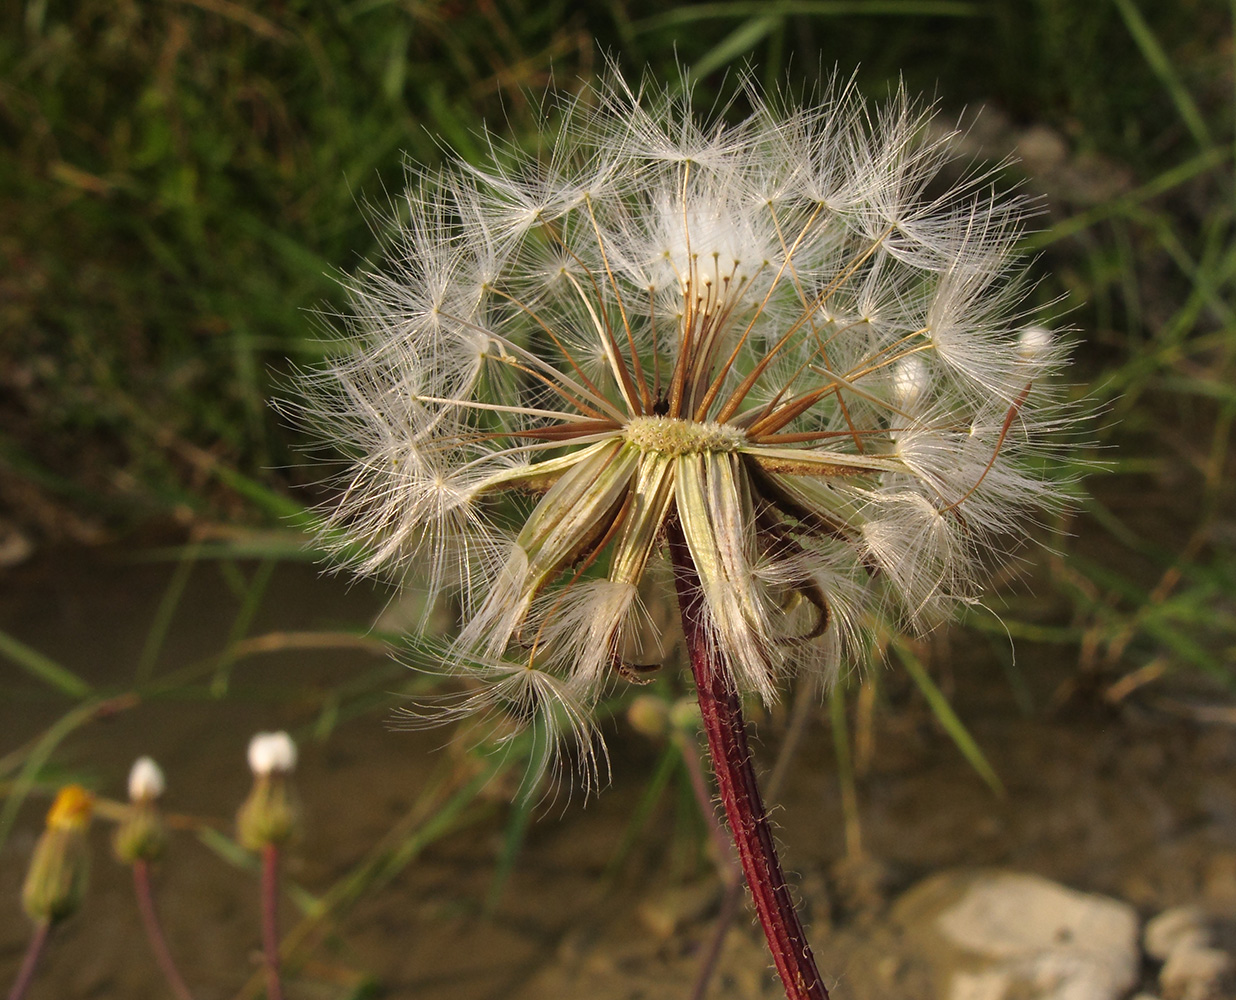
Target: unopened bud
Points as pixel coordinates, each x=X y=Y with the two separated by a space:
x=1034 y=343
x=146 y=781
x=56 y=880
x=272 y=752
x=141 y=834
x=685 y=715
x=649 y=715
x=271 y=814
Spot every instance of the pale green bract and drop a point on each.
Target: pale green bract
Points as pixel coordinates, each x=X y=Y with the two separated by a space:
x=789 y=333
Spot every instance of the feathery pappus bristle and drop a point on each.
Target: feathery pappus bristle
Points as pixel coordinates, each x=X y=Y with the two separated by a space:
x=786 y=333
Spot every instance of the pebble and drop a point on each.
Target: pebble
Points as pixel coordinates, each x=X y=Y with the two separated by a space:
x=1181 y=926
x=1193 y=969
x=996 y=935
x=1192 y=973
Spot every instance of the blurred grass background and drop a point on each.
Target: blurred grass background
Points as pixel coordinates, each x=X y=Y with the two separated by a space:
x=182 y=181
x=183 y=178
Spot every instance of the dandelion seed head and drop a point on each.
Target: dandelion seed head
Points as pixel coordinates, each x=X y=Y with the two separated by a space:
x=781 y=331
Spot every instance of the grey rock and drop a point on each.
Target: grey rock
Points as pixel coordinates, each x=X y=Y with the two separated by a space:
x=997 y=935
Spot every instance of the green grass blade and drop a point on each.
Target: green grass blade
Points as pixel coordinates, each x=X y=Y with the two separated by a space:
x=43 y=748
x=228 y=850
x=745 y=9
x=263 y=497
x=1158 y=61
x=252 y=600
x=512 y=842
x=1170 y=179
x=740 y=42
x=845 y=772
x=283 y=544
x=43 y=667
x=948 y=718
x=165 y=611
x=653 y=790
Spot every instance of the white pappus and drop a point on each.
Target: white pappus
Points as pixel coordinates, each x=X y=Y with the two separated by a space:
x=788 y=332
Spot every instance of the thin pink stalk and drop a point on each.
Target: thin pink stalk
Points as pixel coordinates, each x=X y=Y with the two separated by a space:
x=154 y=930
x=721 y=710
x=26 y=976
x=727 y=866
x=712 y=954
x=727 y=863
x=270 y=919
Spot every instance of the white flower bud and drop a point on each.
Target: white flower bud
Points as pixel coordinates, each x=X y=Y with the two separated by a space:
x=1034 y=343
x=146 y=781
x=272 y=752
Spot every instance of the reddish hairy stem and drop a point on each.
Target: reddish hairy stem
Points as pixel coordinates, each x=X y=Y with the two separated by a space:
x=154 y=932
x=721 y=709
x=270 y=919
x=31 y=961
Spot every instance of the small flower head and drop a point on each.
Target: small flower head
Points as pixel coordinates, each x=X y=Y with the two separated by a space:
x=786 y=333
x=71 y=809
x=56 y=880
x=271 y=752
x=141 y=834
x=146 y=782
x=270 y=815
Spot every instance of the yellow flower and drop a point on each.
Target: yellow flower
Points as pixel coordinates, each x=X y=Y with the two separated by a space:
x=56 y=880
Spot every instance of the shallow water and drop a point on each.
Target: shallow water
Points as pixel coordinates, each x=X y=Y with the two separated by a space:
x=1136 y=801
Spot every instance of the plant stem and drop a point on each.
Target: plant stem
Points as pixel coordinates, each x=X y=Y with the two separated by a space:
x=26 y=975
x=712 y=954
x=721 y=709
x=154 y=932
x=733 y=886
x=727 y=862
x=270 y=919
x=845 y=774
